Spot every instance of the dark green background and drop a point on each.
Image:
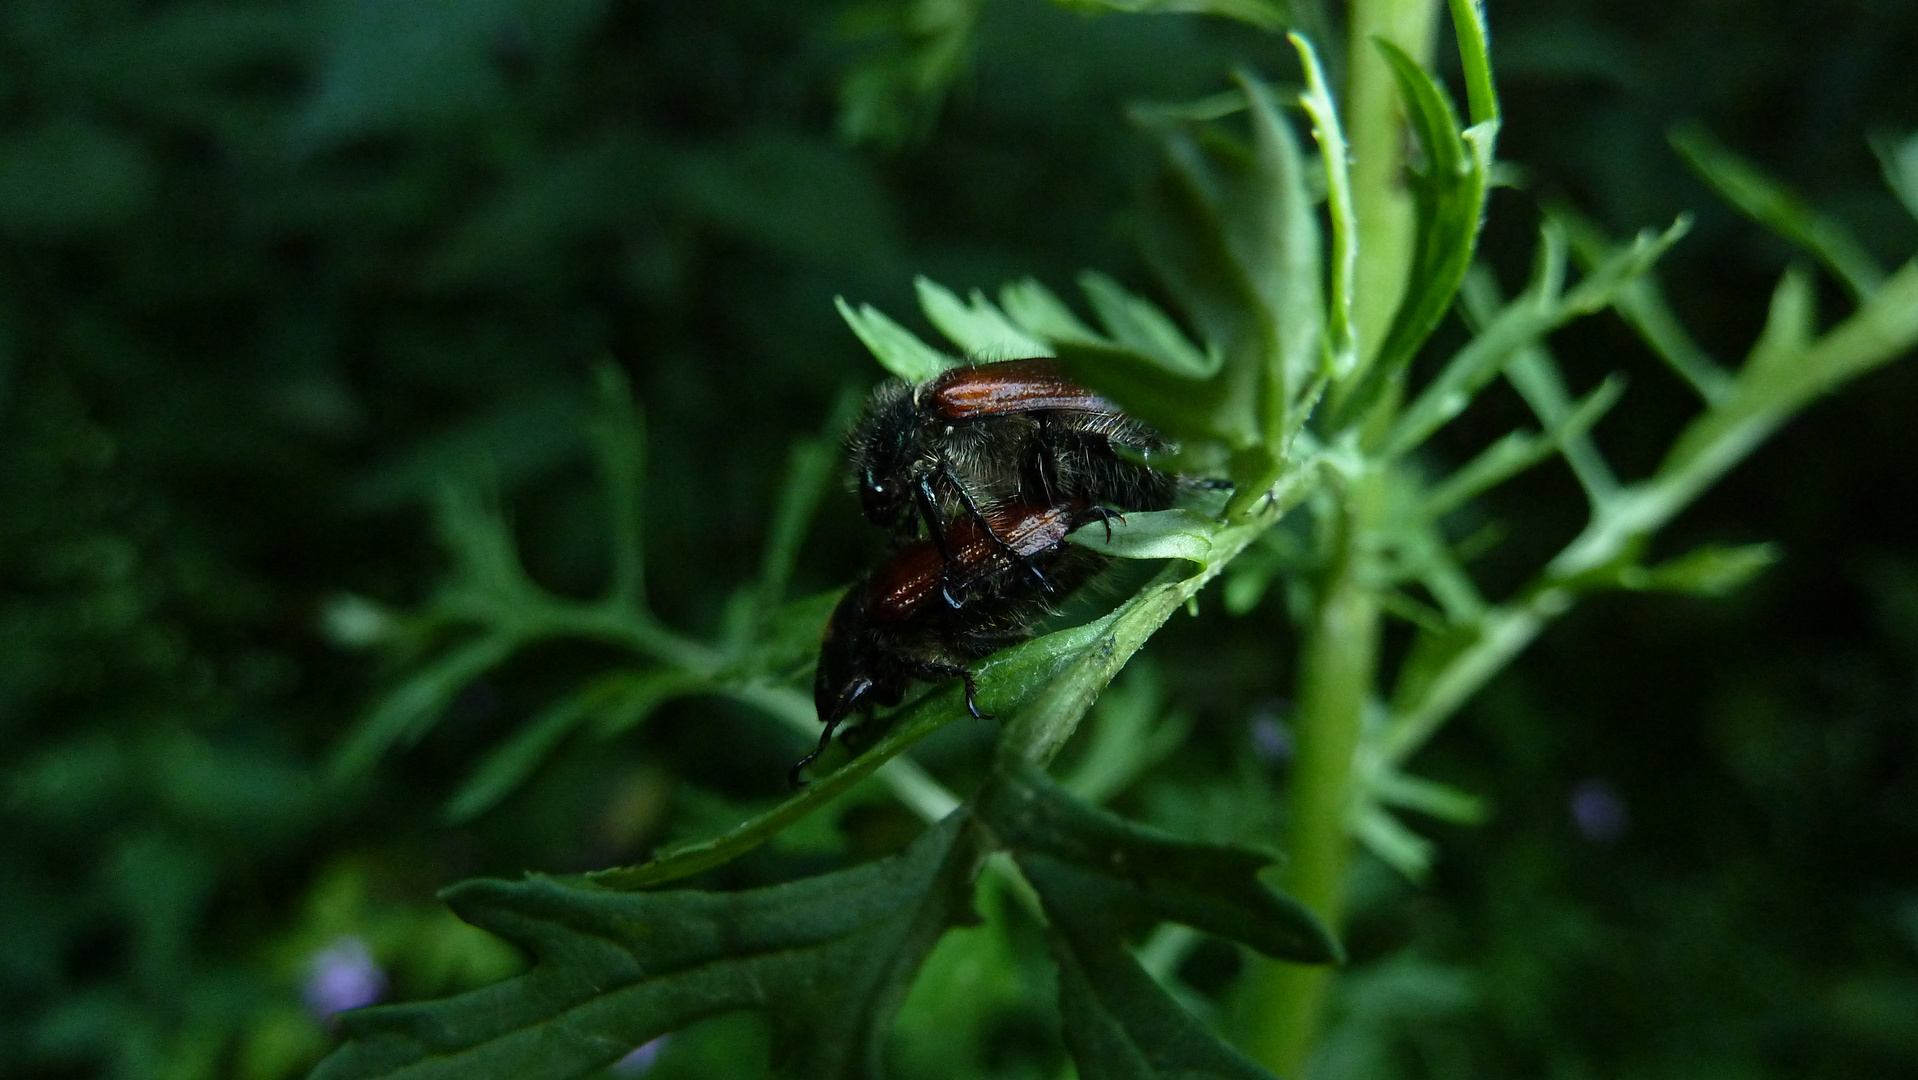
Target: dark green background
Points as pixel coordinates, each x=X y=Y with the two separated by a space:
x=271 y=273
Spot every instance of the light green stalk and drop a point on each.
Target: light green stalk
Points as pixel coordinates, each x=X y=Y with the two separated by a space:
x=1375 y=127
x=1336 y=672
x=1283 y=1003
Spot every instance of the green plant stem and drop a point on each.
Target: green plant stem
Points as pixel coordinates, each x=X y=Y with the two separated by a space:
x=1375 y=126
x=1336 y=676
x=1282 y=1003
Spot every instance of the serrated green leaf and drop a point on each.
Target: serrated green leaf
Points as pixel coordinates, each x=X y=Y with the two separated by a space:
x=1120 y=1024
x=1085 y=859
x=979 y=328
x=897 y=349
x=1779 y=209
x=1710 y=570
x=826 y=959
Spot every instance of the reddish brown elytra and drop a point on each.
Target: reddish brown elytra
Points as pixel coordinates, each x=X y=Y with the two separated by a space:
x=1010 y=387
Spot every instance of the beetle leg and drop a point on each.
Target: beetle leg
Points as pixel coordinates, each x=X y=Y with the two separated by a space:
x=1103 y=516
x=825 y=738
x=933 y=670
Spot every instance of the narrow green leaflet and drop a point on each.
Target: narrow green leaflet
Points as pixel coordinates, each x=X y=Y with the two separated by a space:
x=810 y=468
x=1519 y=451
x=1899 y=157
x=1290 y=289
x=1642 y=303
x=1392 y=841
x=412 y=708
x=1188 y=411
x=612 y=702
x=1039 y=311
x=977 y=327
x=1142 y=360
x=1083 y=858
x=1712 y=570
x=1542 y=307
x=1341 y=347
x=826 y=959
x=1264 y=14
x=896 y=348
x=1137 y=324
x=1779 y=209
x=619 y=436
x=1768 y=392
x=1468 y=25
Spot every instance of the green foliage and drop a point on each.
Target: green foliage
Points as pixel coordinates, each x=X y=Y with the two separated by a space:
x=285 y=288
x=827 y=959
x=1231 y=228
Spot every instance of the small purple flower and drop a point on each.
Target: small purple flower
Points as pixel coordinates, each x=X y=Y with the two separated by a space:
x=1271 y=739
x=641 y=1058
x=1598 y=811
x=342 y=976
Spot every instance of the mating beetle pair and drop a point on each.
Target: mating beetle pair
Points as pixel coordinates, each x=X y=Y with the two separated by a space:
x=979 y=474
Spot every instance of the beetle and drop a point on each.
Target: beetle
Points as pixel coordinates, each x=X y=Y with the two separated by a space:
x=1009 y=431
x=930 y=609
